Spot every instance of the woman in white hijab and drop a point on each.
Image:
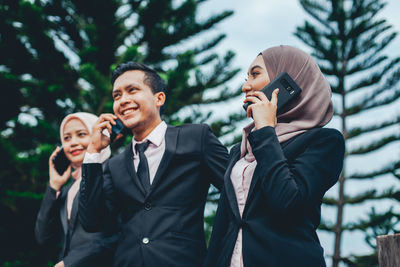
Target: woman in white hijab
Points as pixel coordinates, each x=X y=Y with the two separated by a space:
x=58 y=212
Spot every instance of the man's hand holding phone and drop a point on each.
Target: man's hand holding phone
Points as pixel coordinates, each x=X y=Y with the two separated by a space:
x=56 y=180
x=262 y=110
x=98 y=139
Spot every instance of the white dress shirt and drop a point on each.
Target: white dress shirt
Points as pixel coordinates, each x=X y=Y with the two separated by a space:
x=153 y=153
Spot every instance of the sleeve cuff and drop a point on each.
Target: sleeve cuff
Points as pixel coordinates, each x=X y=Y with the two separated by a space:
x=52 y=192
x=92 y=158
x=258 y=137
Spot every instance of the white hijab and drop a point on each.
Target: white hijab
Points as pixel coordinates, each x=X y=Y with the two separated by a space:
x=88 y=120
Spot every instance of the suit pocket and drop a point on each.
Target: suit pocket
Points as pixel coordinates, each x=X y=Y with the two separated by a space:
x=187 y=248
x=186 y=237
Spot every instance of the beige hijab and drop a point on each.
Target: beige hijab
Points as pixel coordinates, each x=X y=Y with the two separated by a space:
x=313 y=108
x=88 y=120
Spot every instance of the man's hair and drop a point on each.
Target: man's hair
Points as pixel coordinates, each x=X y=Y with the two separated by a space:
x=151 y=77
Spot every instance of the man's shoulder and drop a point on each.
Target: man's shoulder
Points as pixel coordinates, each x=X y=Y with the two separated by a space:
x=191 y=129
x=191 y=126
x=192 y=135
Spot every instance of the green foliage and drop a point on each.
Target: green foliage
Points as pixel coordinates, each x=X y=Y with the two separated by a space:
x=349 y=40
x=56 y=58
x=362 y=261
x=208 y=223
x=375 y=225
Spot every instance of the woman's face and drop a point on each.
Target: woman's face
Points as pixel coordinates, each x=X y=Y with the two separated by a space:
x=75 y=140
x=257 y=76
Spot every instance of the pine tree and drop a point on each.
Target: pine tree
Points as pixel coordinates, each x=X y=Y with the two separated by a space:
x=56 y=57
x=348 y=38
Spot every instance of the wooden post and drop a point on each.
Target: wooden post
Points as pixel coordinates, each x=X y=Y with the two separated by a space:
x=388 y=250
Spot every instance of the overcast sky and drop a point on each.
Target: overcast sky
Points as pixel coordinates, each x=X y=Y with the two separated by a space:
x=259 y=24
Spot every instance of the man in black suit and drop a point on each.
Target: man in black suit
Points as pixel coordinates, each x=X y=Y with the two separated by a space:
x=156 y=189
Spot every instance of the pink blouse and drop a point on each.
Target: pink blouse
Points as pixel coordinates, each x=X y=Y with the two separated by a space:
x=241 y=176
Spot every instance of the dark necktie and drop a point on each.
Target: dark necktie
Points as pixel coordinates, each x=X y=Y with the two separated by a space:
x=143 y=167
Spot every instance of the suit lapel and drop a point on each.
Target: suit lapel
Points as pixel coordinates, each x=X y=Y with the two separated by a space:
x=74 y=211
x=171 y=138
x=230 y=191
x=128 y=158
x=254 y=180
x=63 y=208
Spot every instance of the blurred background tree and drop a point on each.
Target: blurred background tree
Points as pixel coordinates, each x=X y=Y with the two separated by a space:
x=348 y=39
x=56 y=58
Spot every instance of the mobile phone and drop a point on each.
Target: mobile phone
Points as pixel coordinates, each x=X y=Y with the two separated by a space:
x=61 y=162
x=288 y=90
x=116 y=130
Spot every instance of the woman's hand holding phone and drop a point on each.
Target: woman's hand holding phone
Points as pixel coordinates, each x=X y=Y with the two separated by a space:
x=56 y=181
x=60 y=264
x=262 y=110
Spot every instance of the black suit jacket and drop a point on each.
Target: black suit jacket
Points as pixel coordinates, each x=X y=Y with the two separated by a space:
x=283 y=206
x=165 y=226
x=79 y=248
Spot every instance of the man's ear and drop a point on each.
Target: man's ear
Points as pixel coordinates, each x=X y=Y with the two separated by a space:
x=160 y=99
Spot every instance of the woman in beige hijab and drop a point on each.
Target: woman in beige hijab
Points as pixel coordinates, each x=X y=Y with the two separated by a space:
x=270 y=206
x=58 y=212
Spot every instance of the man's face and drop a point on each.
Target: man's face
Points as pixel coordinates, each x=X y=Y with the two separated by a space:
x=134 y=102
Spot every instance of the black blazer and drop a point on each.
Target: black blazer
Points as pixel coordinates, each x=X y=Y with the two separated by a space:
x=79 y=248
x=165 y=226
x=283 y=206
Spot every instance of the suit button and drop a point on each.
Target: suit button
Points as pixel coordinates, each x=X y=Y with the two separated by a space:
x=145 y=240
x=147 y=206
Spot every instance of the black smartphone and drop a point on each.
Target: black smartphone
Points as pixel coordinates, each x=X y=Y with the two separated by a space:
x=288 y=90
x=61 y=162
x=116 y=129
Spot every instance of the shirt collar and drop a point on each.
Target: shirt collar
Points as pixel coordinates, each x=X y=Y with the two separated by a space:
x=156 y=137
x=243 y=146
